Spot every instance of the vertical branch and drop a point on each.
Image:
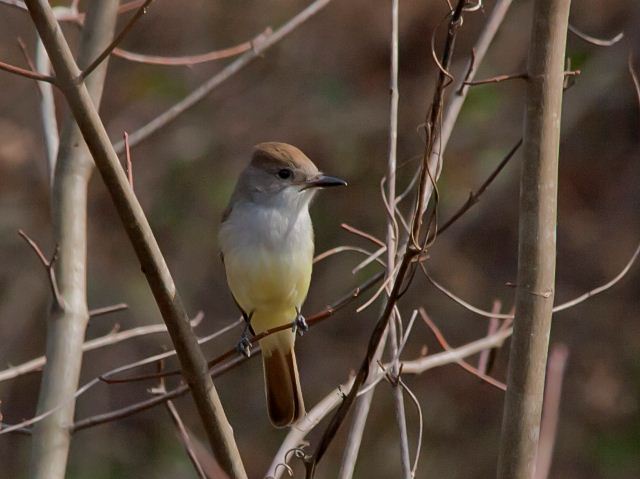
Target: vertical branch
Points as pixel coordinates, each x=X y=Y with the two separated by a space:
x=192 y=361
x=551 y=410
x=68 y=318
x=537 y=241
x=392 y=242
x=363 y=403
x=47 y=110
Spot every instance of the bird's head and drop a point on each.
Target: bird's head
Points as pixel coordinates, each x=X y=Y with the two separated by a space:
x=280 y=173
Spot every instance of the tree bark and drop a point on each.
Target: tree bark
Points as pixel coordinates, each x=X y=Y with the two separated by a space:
x=537 y=241
x=67 y=322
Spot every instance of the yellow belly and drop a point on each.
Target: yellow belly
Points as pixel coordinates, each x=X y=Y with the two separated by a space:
x=270 y=285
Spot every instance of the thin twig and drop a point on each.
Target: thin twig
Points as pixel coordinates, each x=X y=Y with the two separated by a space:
x=367 y=236
x=556 y=309
x=516 y=76
x=498 y=13
x=419 y=365
x=27 y=73
x=48 y=265
x=25 y=54
x=116 y=41
x=474 y=197
x=114 y=337
x=486 y=357
x=461 y=362
x=596 y=41
x=392 y=241
x=260 y=46
x=107 y=309
x=185 y=439
x=405 y=267
x=188 y=60
x=497 y=79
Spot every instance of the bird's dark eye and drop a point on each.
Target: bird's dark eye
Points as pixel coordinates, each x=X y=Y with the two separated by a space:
x=285 y=173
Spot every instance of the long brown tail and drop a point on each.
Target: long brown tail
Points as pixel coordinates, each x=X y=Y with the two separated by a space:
x=282 y=384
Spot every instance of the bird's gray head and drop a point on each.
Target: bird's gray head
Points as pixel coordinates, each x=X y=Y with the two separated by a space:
x=281 y=175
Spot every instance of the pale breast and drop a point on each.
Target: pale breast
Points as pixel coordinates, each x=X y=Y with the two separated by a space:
x=268 y=258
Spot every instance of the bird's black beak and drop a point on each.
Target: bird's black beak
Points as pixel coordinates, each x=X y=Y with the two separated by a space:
x=323 y=181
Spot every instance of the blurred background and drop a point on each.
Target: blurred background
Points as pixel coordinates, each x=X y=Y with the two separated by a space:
x=325 y=89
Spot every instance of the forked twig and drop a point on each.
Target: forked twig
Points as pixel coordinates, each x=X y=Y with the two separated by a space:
x=461 y=362
x=48 y=265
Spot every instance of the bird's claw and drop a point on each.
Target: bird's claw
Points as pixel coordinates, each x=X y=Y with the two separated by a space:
x=300 y=325
x=244 y=346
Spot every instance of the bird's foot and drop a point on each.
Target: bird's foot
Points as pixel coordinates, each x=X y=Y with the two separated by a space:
x=244 y=345
x=300 y=324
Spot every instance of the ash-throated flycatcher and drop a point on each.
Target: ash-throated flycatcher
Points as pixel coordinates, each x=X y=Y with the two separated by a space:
x=266 y=239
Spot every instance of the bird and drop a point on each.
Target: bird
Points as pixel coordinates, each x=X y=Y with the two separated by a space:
x=267 y=245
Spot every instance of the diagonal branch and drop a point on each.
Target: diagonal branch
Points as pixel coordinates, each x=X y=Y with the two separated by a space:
x=116 y=41
x=208 y=403
x=27 y=73
x=260 y=46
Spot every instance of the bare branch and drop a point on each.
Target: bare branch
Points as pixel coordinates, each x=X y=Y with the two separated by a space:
x=556 y=309
x=233 y=352
x=498 y=13
x=185 y=439
x=600 y=42
x=486 y=357
x=27 y=73
x=48 y=116
x=602 y=288
x=474 y=197
x=48 y=266
x=116 y=41
x=411 y=253
x=109 y=339
x=462 y=363
x=392 y=243
x=214 y=420
x=188 y=60
x=551 y=410
x=108 y=309
x=66 y=326
x=537 y=241
x=260 y=46
x=420 y=365
x=497 y=79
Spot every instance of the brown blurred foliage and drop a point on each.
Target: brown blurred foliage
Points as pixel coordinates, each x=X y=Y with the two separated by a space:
x=325 y=89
